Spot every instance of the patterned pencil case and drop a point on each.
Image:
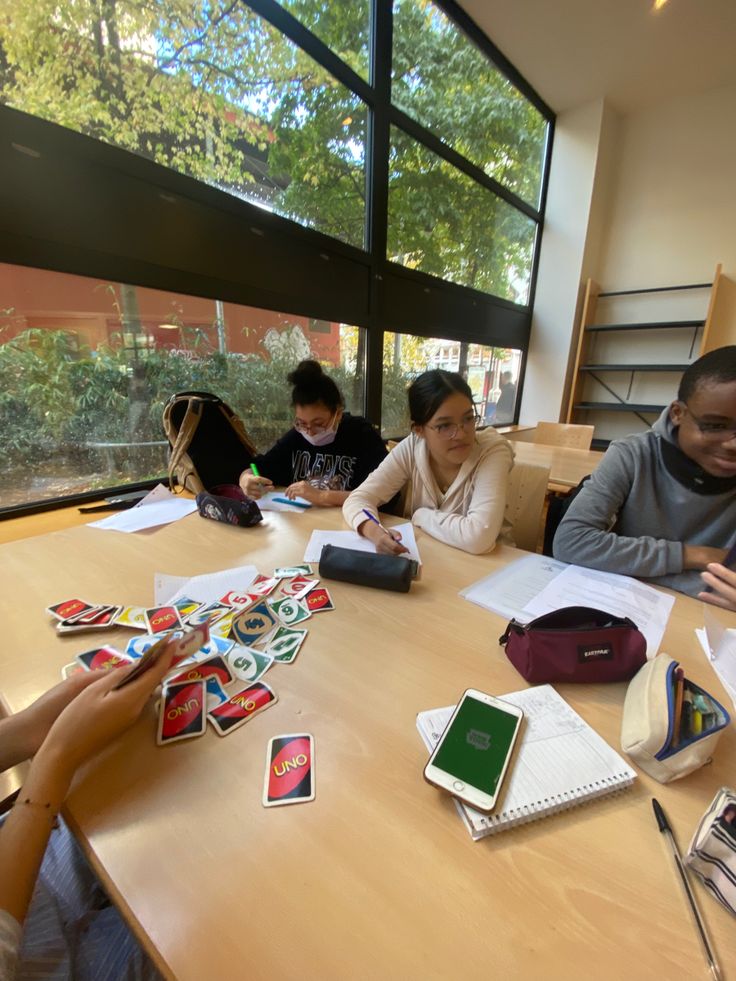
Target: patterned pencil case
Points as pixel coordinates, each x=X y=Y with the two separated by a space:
x=244 y=514
x=367 y=568
x=712 y=852
x=670 y=725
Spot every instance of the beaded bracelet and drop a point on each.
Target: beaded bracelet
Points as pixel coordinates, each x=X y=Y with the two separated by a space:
x=52 y=812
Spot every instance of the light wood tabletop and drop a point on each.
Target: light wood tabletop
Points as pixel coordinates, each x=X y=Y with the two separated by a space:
x=567 y=466
x=377 y=877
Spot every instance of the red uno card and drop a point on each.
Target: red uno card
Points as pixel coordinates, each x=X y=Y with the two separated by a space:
x=263 y=585
x=182 y=712
x=103 y=657
x=241 y=707
x=213 y=667
x=98 y=618
x=240 y=600
x=298 y=587
x=162 y=618
x=318 y=600
x=68 y=609
x=289 y=775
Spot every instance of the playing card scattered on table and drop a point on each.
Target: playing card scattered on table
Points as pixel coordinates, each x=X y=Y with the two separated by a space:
x=221 y=651
x=241 y=707
x=289 y=777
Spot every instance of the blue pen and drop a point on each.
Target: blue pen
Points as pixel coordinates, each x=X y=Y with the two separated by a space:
x=375 y=521
x=294 y=504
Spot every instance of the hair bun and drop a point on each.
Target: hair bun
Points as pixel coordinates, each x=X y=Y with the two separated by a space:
x=305 y=372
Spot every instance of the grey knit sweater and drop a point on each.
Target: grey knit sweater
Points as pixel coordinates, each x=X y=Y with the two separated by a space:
x=634 y=515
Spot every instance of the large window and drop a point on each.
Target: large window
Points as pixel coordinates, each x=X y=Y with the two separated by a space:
x=488 y=370
x=87 y=366
x=183 y=181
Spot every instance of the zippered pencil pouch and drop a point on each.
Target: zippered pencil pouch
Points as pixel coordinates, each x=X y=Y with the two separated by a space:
x=575 y=643
x=670 y=725
x=712 y=852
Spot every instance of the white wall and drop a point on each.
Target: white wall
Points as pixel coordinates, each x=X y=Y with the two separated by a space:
x=566 y=245
x=643 y=200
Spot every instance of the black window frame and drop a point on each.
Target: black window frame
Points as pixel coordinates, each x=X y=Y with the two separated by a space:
x=168 y=231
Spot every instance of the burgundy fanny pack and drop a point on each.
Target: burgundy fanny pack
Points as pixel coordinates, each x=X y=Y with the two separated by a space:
x=577 y=644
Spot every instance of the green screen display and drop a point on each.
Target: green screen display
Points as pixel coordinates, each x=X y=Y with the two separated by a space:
x=476 y=745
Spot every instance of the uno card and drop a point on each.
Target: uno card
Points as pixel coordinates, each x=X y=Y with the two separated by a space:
x=98 y=618
x=248 y=664
x=285 y=644
x=68 y=609
x=262 y=585
x=289 y=571
x=241 y=707
x=215 y=645
x=221 y=628
x=182 y=712
x=132 y=616
x=240 y=600
x=215 y=694
x=213 y=612
x=298 y=587
x=102 y=658
x=137 y=646
x=186 y=644
x=289 y=777
x=253 y=625
x=318 y=600
x=186 y=606
x=213 y=667
x=162 y=618
x=290 y=610
x=74 y=667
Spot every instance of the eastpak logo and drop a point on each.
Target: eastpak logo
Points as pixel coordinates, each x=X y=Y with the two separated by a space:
x=594 y=652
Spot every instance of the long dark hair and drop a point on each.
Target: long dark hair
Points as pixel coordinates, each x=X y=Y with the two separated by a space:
x=428 y=392
x=312 y=385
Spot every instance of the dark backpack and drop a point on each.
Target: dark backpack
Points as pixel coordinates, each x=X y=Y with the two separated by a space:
x=209 y=443
x=556 y=511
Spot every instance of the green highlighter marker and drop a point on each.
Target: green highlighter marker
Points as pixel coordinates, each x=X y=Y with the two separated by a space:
x=254 y=468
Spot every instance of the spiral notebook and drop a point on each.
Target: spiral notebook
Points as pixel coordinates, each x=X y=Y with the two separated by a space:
x=561 y=762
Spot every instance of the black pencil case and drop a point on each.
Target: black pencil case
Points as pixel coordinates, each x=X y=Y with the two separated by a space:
x=366 y=568
x=244 y=514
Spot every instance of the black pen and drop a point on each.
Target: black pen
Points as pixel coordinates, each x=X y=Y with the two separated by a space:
x=664 y=826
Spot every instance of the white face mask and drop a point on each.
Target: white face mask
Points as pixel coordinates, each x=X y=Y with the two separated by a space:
x=323 y=437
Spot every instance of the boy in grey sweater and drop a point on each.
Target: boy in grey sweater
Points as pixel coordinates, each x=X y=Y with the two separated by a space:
x=662 y=504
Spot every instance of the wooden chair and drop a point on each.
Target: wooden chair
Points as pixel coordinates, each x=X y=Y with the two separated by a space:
x=564 y=434
x=525 y=496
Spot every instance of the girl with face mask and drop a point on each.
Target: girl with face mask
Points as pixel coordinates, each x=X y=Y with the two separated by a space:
x=327 y=452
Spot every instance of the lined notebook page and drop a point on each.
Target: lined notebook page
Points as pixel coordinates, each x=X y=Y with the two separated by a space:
x=561 y=762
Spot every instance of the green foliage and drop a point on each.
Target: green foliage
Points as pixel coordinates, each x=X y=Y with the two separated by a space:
x=209 y=88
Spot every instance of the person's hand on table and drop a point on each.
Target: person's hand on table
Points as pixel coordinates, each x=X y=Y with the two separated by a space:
x=723 y=583
x=387 y=542
x=24 y=732
x=302 y=488
x=254 y=487
x=99 y=714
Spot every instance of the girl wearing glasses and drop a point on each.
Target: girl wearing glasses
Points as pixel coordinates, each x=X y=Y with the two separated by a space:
x=455 y=476
x=326 y=454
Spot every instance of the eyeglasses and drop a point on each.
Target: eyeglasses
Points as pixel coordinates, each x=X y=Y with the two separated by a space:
x=449 y=430
x=716 y=432
x=310 y=427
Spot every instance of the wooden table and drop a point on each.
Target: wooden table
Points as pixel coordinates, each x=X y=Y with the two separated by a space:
x=567 y=465
x=378 y=877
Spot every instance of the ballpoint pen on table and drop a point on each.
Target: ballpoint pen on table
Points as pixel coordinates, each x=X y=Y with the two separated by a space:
x=664 y=826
